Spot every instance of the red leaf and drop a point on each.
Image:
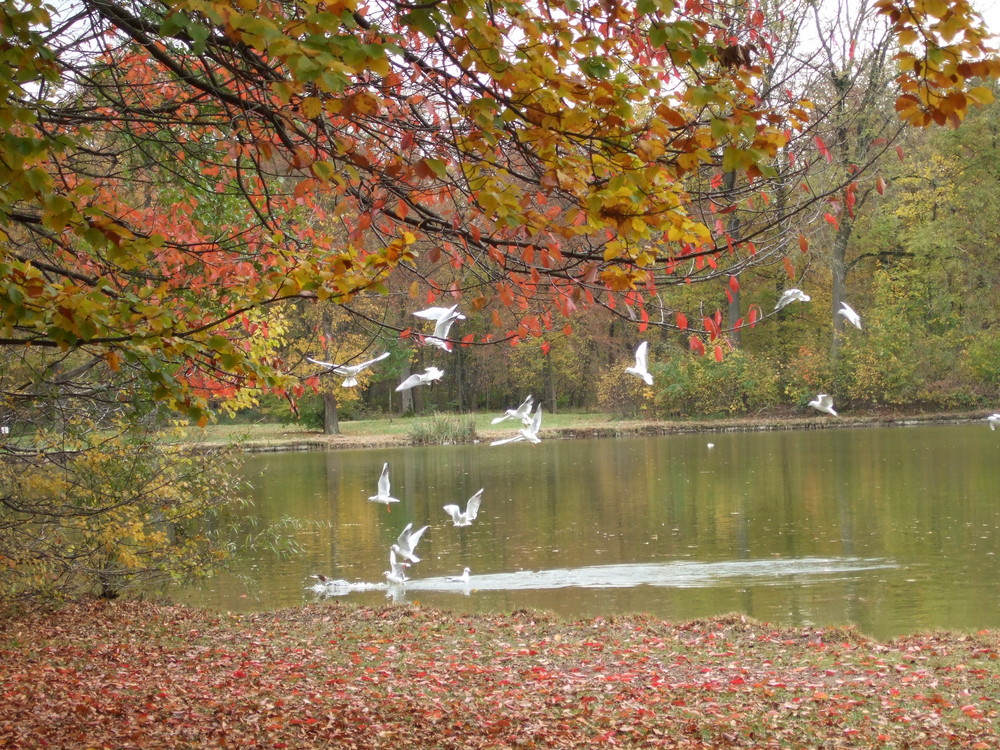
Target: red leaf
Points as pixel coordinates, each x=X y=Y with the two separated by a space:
x=697 y=345
x=789 y=268
x=718 y=353
x=682 y=321
x=823 y=149
x=899 y=153
x=734 y=284
x=643 y=319
x=545 y=347
x=880 y=186
x=831 y=219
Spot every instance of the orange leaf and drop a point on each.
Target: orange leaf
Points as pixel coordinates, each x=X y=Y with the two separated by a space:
x=803 y=243
x=789 y=268
x=880 y=186
x=718 y=353
x=496 y=319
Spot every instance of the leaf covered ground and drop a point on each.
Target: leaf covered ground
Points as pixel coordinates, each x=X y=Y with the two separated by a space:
x=143 y=675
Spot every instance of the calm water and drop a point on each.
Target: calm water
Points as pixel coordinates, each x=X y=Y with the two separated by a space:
x=893 y=529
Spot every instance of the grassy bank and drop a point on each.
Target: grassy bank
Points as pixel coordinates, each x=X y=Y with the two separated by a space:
x=402 y=431
x=138 y=675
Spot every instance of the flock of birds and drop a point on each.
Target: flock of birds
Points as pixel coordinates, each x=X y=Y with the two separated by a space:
x=401 y=553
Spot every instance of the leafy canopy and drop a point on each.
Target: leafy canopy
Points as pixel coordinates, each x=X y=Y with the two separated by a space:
x=168 y=167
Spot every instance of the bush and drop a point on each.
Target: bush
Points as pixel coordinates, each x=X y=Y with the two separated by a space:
x=982 y=358
x=96 y=513
x=442 y=429
x=622 y=393
x=741 y=383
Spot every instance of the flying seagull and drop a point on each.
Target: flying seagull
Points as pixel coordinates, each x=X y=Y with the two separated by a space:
x=848 y=312
x=407 y=541
x=823 y=402
x=351 y=371
x=443 y=317
x=421 y=378
x=382 y=495
x=639 y=368
x=471 y=510
x=523 y=412
x=529 y=433
x=397 y=570
x=994 y=420
x=464 y=578
x=791 y=295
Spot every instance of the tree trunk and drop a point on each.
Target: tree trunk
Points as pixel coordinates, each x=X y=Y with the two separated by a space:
x=406 y=397
x=551 y=382
x=331 y=423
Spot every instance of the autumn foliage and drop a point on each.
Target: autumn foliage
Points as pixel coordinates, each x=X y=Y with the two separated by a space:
x=169 y=168
x=333 y=676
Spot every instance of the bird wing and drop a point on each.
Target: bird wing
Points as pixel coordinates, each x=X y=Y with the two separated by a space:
x=359 y=367
x=442 y=327
x=415 y=537
x=403 y=540
x=525 y=407
x=454 y=511
x=432 y=313
x=515 y=439
x=640 y=356
x=472 y=507
x=536 y=423
x=498 y=420
x=383 y=482
x=409 y=383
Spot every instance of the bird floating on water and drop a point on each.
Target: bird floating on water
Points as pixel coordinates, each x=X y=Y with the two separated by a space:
x=523 y=412
x=791 y=295
x=994 y=420
x=639 y=368
x=471 y=510
x=464 y=578
x=529 y=433
x=823 y=402
x=848 y=312
x=382 y=495
x=406 y=542
x=351 y=371
x=421 y=378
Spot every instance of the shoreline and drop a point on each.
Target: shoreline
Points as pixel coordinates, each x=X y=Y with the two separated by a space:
x=298 y=441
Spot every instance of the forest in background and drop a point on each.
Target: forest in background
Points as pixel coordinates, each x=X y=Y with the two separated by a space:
x=921 y=267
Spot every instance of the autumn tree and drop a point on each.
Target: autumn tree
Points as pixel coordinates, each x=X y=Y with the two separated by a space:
x=168 y=170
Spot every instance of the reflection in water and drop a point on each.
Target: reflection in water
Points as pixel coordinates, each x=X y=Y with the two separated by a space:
x=894 y=530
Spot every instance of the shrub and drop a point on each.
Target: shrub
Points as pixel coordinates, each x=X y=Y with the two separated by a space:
x=442 y=429
x=622 y=393
x=88 y=512
x=686 y=385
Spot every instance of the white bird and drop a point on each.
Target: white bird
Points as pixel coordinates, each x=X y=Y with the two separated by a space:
x=852 y=317
x=523 y=412
x=421 y=378
x=994 y=420
x=791 y=295
x=444 y=317
x=406 y=542
x=382 y=495
x=397 y=570
x=823 y=402
x=464 y=578
x=639 y=368
x=529 y=433
x=471 y=510
x=437 y=313
x=711 y=445
x=351 y=371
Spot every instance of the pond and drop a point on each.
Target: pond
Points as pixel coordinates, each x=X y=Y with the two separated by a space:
x=895 y=530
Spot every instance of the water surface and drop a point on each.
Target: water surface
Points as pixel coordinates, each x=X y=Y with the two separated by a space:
x=895 y=530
